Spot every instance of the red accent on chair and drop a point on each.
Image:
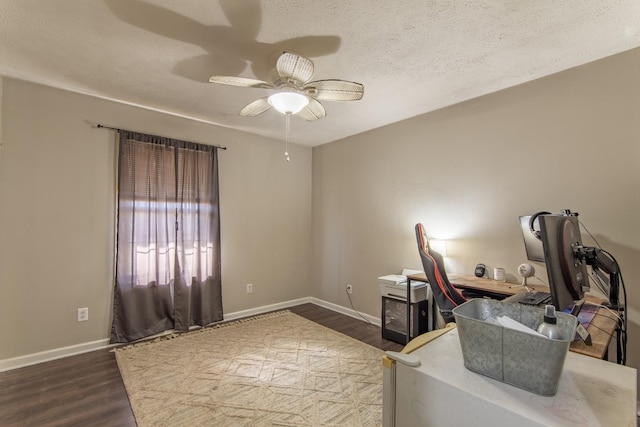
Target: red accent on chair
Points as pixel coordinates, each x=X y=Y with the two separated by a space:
x=447 y=297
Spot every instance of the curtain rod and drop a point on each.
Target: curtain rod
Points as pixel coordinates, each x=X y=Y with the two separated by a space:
x=99 y=126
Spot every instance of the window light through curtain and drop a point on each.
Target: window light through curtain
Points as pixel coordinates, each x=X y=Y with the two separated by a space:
x=168 y=241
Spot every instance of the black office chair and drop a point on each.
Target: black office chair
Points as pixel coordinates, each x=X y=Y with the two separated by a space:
x=447 y=297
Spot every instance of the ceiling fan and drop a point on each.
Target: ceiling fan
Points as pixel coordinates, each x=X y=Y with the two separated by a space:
x=293 y=91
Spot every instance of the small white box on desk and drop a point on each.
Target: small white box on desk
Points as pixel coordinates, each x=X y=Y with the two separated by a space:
x=395 y=286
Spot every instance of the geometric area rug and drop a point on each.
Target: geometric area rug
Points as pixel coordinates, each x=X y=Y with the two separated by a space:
x=277 y=369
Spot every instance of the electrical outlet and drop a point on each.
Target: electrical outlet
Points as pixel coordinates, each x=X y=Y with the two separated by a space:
x=349 y=289
x=249 y=288
x=83 y=314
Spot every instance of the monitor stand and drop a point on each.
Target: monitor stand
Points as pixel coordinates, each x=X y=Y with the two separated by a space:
x=582 y=332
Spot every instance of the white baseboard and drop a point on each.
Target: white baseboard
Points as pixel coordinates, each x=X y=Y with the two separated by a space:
x=58 y=353
x=265 y=309
x=344 y=310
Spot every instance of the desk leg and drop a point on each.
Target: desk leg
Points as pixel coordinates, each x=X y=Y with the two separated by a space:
x=620 y=358
x=433 y=308
x=408 y=326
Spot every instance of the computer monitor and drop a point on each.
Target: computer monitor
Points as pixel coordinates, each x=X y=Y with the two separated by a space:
x=567 y=274
x=532 y=245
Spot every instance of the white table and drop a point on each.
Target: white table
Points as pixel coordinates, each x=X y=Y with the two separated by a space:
x=442 y=392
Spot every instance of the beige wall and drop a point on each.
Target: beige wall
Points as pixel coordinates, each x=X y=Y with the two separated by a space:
x=467 y=172
x=57 y=180
x=1 y=80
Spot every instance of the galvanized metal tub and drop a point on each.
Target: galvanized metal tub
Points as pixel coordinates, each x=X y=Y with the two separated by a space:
x=526 y=361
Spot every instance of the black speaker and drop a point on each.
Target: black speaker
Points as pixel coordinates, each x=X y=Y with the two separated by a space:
x=481 y=269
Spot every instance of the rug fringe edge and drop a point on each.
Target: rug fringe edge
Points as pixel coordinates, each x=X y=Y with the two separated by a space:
x=221 y=324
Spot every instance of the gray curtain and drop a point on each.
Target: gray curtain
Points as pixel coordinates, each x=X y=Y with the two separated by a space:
x=168 y=241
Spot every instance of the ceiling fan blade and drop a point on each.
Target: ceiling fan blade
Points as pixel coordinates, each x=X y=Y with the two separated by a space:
x=334 y=90
x=240 y=81
x=290 y=65
x=256 y=107
x=313 y=111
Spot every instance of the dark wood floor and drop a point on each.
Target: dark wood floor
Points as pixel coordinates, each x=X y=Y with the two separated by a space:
x=87 y=390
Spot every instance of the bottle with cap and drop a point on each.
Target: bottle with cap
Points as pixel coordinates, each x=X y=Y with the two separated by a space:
x=549 y=326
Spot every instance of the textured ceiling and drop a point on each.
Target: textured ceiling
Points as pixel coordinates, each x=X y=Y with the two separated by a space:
x=412 y=56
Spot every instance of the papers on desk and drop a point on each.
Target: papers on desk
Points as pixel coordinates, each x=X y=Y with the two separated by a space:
x=395 y=286
x=393 y=279
x=400 y=279
x=510 y=323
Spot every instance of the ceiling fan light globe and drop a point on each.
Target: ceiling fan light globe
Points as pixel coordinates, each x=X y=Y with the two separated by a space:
x=288 y=102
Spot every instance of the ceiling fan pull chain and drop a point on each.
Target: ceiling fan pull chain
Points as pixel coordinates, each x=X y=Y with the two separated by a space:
x=286 y=138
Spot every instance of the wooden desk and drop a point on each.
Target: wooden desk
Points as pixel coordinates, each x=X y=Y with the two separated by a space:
x=602 y=326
